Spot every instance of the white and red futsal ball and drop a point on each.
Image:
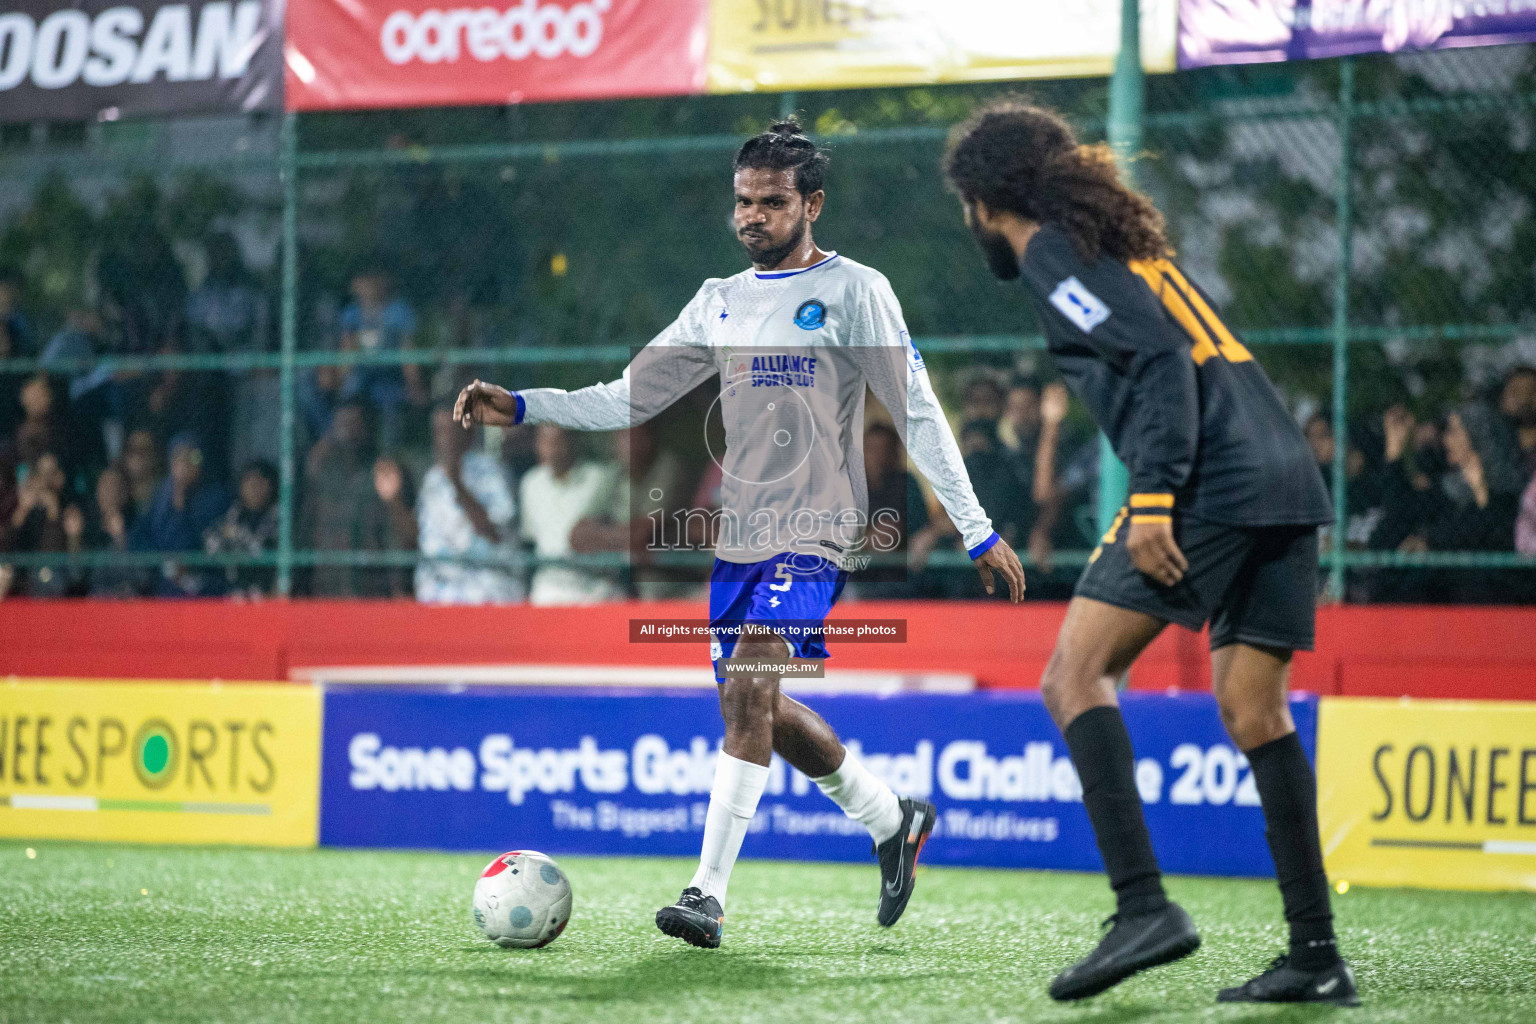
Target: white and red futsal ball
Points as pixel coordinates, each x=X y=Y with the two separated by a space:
x=522 y=900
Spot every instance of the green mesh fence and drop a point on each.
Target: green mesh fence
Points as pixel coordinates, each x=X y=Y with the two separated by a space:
x=1366 y=224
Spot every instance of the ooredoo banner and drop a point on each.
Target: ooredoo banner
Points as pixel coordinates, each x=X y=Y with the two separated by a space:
x=629 y=772
x=1433 y=793
x=414 y=53
x=1255 y=31
x=108 y=59
x=160 y=762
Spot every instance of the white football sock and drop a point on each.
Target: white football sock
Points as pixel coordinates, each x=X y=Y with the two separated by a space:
x=732 y=802
x=863 y=797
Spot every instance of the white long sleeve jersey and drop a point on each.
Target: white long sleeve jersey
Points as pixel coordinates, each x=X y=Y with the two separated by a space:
x=793 y=351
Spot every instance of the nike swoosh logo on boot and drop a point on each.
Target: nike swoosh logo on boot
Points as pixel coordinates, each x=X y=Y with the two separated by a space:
x=1132 y=947
x=893 y=890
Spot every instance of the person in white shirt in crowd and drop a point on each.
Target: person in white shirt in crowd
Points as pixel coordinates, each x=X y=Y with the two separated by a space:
x=557 y=494
x=466 y=508
x=650 y=491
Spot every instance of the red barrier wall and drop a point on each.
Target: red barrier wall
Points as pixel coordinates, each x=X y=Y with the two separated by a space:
x=1377 y=650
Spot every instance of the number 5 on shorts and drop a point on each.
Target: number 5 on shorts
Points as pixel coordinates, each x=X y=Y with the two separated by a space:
x=784 y=573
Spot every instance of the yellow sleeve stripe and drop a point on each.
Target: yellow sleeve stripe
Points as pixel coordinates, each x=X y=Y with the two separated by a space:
x=1150 y=519
x=1231 y=348
x=1173 y=301
x=1152 y=500
x=1148 y=272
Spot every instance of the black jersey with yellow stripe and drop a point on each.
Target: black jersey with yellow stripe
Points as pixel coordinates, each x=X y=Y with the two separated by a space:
x=1188 y=409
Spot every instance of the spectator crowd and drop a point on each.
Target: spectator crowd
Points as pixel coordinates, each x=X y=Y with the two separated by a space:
x=1464 y=481
x=395 y=500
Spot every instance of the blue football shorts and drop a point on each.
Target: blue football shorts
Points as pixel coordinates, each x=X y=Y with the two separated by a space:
x=791 y=593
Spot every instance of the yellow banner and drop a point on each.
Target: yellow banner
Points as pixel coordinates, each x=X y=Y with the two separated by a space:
x=160 y=762
x=1430 y=793
x=775 y=45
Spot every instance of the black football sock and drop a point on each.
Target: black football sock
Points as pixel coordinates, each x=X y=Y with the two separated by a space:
x=1101 y=752
x=1288 y=791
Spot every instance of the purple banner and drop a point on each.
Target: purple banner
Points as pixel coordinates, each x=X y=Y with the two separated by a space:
x=1259 y=31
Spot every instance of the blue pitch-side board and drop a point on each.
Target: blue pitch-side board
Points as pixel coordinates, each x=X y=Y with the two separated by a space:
x=628 y=772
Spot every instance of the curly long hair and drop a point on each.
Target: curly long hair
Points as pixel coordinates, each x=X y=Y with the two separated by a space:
x=1013 y=155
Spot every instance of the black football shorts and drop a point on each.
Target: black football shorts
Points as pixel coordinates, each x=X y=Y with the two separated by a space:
x=1254 y=584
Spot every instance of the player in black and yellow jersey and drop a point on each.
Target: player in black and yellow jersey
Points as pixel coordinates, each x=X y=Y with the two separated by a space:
x=1221 y=526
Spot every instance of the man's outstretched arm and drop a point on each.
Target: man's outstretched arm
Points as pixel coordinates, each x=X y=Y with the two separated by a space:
x=900 y=382
x=599 y=407
x=675 y=362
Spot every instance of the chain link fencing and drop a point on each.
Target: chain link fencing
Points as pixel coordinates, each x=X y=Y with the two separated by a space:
x=245 y=325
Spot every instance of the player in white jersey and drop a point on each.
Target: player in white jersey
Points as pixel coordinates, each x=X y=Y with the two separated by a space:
x=794 y=341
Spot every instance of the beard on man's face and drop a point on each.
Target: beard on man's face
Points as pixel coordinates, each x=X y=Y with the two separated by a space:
x=762 y=249
x=1001 y=259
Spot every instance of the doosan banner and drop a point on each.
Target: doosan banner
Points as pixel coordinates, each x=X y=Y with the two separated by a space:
x=414 y=53
x=1256 y=31
x=629 y=772
x=104 y=59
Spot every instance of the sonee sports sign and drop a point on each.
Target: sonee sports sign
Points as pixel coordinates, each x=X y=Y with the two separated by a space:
x=160 y=762
x=1432 y=793
x=629 y=772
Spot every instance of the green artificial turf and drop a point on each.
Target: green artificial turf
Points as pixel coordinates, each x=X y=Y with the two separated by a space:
x=98 y=933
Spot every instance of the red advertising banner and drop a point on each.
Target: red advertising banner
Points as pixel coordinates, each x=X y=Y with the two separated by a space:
x=344 y=54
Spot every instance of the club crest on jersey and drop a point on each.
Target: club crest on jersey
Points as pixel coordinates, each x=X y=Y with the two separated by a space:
x=811 y=314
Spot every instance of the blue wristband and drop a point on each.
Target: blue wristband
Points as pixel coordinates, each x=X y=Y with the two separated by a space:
x=985 y=546
x=522 y=408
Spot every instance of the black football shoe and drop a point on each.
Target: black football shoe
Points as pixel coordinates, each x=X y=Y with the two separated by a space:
x=1132 y=944
x=898 y=858
x=695 y=918
x=1283 y=983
